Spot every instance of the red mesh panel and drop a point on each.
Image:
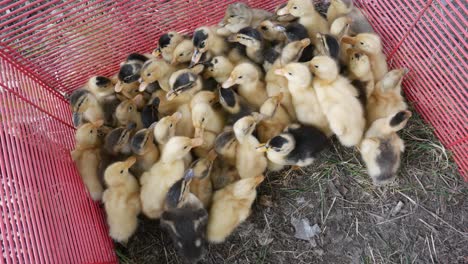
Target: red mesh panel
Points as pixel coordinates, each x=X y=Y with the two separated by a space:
x=49 y=48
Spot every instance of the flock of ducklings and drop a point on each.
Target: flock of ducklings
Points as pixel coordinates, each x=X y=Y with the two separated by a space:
x=186 y=133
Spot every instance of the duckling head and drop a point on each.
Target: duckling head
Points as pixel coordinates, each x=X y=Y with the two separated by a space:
x=324 y=68
x=342 y=5
x=293 y=51
x=88 y=134
x=177 y=147
x=244 y=73
x=183 y=52
x=340 y=26
x=270 y=106
x=398 y=121
x=127 y=108
x=117 y=173
x=152 y=71
x=244 y=127
x=204 y=97
x=141 y=141
x=391 y=80
x=130 y=70
x=165 y=128
x=366 y=42
x=229 y=99
x=219 y=68
x=185 y=81
x=201 y=115
x=80 y=100
x=284 y=17
x=224 y=141
x=297 y=74
x=166 y=43
x=101 y=85
x=202 y=166
x=359 y=63
x=246 y=186
x=282 y=144
x=179 y=190
x=297 y=8
x=117 y=140
x=271 y=31
x=201 y=42
x=248 y=36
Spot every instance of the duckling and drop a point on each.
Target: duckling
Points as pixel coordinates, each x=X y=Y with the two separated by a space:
x=163 y=174
x=116 y=147
x=308 y=16
x=253 y=41
x=338 y=100
x=276 y=83
x=201 y=185
x=304 y=97
x=249 y=162
x=86 y=157
x=130 y=69
x=356 y=22
x=226 y=145
x=147 y=153
x=250 y=85
x=156 y=70
x=223 y=174
x=86 y=105
x=283 y=18
x=208 y=122
x=121 y=200
x=185 y=219
x=361 y=74
x=381 y=147
x=298 y=145
x=166 y=45
x=370 y=44
x=386 y=98
x=235 y=106
x=338 y=8
x=230 y=207
x=297 y=32
x=219 y=68
x=205 y=41
x=183 y=52
x=150 y=113
x=127 y=112
x=328 y=45
x=165 y=129
x=274 y=118
x=184 y=85
x=126 y=90
x=239 y=15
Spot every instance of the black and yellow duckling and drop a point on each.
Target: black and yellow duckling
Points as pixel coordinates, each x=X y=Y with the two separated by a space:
x=201 y=185
x=235 y=105
x=166 y=44
x=85 y=107
x=207 y=45
x=298 y=145
x=185 y=219
x=253 y=41
x=145 y=151
x=130 y=69
x=150 y=113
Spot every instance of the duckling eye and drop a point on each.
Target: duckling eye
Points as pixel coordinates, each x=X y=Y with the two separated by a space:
x=294 y=7
x=240 y=77
x=362 y=43
x=171 y=35
x=121 y=172
x=264 y=28
x=181 y=54
x=148 y=74
x=215 y=61
x=203 y=119
x=170 y=125
x=186 y=147
x=316 y=66
x=290 y=74
x=90 y=131
x=202 y=45
x=130 y=108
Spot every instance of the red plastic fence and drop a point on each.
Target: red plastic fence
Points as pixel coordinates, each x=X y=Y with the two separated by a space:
x=50 y=48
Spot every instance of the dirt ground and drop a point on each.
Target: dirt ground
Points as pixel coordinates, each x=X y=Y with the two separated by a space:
x=422 y=218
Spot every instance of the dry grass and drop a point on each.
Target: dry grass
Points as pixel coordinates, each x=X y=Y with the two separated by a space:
x=422 y=218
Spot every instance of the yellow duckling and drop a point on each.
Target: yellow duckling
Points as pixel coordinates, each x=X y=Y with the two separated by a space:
x=121 y=200
x=201 y=185
x=86 y=105
x=274 y=118
x=272 y=31
x=166 y=45
x=127 y=112
x=370 y=44
x=249 y=162
x=308 y=16
x=147 y=153
x=226 y=145
x=304 y=97
x=386 y=98
x=238 y=16
x=219 y=68
x=86 y=156
x=205 y=41
x=207 y=121
x=381 y=147
x=250 y=86
x=338 y=100
x=156 y=70
x=361 y=75
x=165 y=129
x=183 y=52
x=169 y=169
x=230 y=207
x=101 y=87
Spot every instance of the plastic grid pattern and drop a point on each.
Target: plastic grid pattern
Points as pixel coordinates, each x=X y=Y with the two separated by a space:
x=50 y=48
